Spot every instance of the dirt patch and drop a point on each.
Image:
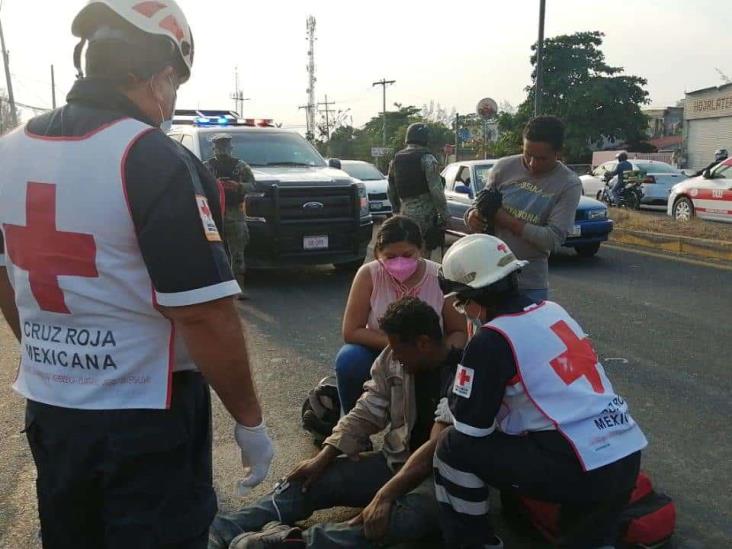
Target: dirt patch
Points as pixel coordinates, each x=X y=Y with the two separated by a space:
x=695 y=228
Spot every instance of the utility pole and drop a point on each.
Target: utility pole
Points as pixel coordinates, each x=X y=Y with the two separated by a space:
x=538 y=89
x=238 y=95
x=327 y=112
x=53 y=88
x=8 y=81
x=457 y=137
x=308 y=130
x=384 y=83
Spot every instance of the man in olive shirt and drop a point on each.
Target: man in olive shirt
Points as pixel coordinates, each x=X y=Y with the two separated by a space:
x=539 y=201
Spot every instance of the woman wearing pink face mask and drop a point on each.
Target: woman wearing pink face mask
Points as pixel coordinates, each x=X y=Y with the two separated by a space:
x=398 y=271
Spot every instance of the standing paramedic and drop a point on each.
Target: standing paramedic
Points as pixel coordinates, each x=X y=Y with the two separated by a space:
x=116 y=282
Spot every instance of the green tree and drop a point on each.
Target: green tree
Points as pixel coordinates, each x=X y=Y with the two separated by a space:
x=351 y=143
x=595 y=100
x=6 y=119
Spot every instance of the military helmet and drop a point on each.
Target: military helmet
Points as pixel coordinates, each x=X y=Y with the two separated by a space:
x=418 y=134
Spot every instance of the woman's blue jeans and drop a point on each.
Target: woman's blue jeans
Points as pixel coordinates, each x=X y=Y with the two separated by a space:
x=353 y=368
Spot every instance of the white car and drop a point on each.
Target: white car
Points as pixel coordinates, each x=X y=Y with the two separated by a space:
x=376 y=185
x=707 y=196
x=659 y=179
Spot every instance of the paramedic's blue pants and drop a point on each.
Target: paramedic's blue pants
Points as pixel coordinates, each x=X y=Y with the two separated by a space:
x=122 y=479
x=539 y=465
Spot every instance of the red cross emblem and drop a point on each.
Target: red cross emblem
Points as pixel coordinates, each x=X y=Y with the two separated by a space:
x=503 y=248
x=47 y=253
x=464 y=377
x=578 y=360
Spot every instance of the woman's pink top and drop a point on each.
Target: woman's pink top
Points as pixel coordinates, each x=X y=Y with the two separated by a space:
x=386 y=291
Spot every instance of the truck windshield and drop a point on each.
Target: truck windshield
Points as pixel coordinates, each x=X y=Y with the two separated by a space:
x=268 y=149
x=364 y=172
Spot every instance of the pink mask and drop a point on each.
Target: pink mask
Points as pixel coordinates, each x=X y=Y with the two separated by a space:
x=401 y=268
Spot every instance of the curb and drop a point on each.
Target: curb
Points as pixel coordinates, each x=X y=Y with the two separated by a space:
x=697 y=248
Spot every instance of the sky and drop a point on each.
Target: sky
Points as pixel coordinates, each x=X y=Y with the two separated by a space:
x=452 y=53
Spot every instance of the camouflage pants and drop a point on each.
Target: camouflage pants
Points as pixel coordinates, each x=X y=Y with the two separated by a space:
x=236 y=233
x=423 y=213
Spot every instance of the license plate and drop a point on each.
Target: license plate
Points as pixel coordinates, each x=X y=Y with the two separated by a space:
x=576 y=231
x=376 y=204
x=315 y=242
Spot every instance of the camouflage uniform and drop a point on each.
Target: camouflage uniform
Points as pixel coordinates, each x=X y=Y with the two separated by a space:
x=428 y=208
x=236 y=231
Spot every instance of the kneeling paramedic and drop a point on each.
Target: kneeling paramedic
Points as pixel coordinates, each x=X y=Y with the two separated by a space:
x=115 y=278
x=532 y=407
x=395 y=484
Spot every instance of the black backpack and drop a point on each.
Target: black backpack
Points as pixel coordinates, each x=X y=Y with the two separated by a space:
x=321 y=410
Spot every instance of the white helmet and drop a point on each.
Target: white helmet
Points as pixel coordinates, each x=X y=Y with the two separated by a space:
x=477 y=261
x=157 y=17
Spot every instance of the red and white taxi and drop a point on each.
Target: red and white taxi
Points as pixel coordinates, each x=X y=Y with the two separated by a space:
x=707 y=196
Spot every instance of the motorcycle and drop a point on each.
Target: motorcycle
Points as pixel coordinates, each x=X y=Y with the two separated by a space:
x=630 y=196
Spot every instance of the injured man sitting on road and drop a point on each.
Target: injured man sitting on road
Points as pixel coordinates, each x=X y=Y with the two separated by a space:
x=394 y=485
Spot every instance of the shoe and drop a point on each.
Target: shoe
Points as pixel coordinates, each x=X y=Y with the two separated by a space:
x=274 y=535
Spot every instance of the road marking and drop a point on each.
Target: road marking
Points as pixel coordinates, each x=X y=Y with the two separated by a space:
x=696 y=262
x=619 y=360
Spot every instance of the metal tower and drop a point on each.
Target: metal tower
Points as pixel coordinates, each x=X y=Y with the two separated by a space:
x=311 y=106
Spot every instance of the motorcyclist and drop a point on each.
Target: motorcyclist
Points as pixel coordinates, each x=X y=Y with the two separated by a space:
x=720 y=155
x=622 y=167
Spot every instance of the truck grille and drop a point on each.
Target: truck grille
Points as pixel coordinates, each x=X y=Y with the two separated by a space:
x=377 y=196
x=291 y=204
x=301 y=204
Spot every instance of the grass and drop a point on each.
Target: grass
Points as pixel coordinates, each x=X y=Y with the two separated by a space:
x=696 y=228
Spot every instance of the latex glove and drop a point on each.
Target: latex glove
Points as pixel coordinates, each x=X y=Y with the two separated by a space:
x=256 y=454
x=443 y=413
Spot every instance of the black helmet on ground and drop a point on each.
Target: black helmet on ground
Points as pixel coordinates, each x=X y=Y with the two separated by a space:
x=418 y=134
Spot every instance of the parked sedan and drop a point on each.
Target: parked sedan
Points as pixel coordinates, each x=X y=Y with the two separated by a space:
x=463 y=180
x=376 y=185
x=707 y=196
x=658 y=178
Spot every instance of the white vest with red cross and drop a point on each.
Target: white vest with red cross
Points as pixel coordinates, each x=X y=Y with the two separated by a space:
x=92 y=336
x=561 y=385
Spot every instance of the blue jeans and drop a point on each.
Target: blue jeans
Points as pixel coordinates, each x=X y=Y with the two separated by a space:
x=538 y=294
x=345 y=483
x=353 y=369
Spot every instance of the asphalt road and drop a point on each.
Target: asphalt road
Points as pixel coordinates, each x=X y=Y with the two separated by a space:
x=661 y=326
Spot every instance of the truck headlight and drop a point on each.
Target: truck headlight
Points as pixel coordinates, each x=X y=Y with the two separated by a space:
x=364 y=200
x=597 y=214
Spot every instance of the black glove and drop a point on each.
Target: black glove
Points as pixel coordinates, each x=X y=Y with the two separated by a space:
x=487 y=203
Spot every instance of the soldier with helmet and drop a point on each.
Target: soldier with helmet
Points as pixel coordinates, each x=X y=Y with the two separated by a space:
x=237 y=179
x=416 y=190
x=114 y=277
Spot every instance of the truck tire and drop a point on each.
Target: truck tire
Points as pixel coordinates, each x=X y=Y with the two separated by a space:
x=349 y=267
x=588 y=250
